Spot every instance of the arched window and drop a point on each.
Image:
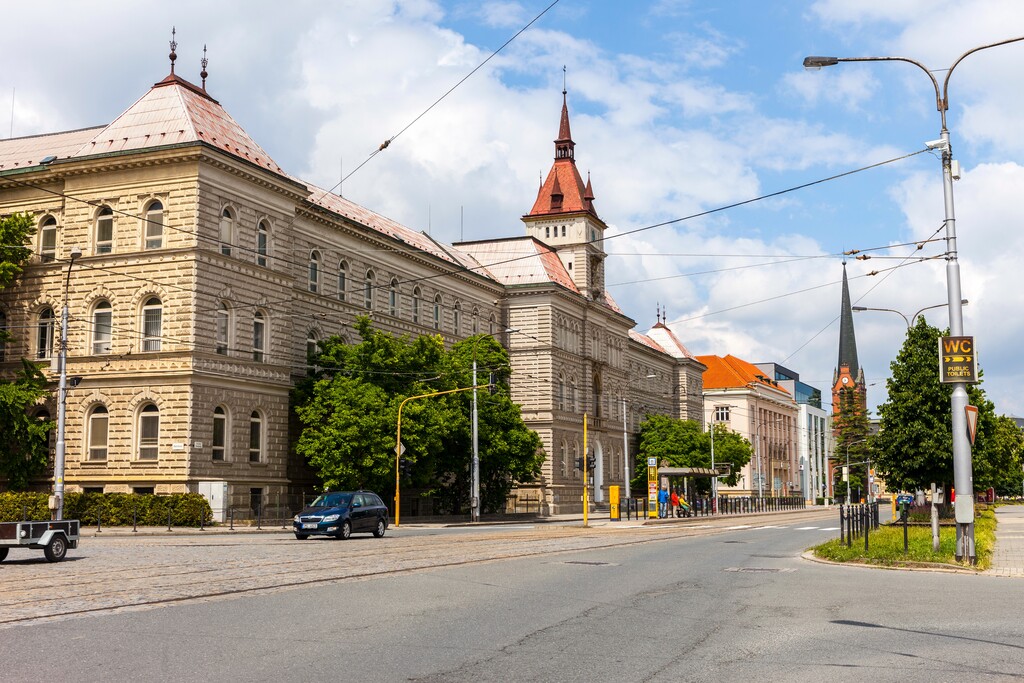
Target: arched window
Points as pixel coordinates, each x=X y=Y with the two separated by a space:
x=149 y=432
x=220 y=433
x=573 y=396
x=416 y=295
x=314 y=272
x=255 y=437
x=560 y=393
x=98 y=429
x=564 y=454
x=259 y=336
x=262 y=243
x=393 y=298
x=223 y=330
x=312 y=346
x=342 y=281
x=437 y=312
x=476 y=320
x=152 y=324
x=227 y=231
x=492 y=325
x=48 y=239
x=457 y=318
x=102 y=327
x=104 y=230
x=368 y=290
x=44 y=333
x=154 y=230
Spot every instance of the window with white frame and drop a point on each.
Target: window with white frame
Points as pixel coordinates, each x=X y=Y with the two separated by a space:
x=152 y=324
x=368 y=290
x=437 y=312
x=220 y=433
x=227 y=231
x=259 y=336
x=393 y=298
x=149 y=432
x=342 y=281
x=564 y=453
x=44 y=333
x=153 y=233
x=457 y=318
x=102 y=327
x=98 y=432
x=223 y=328
x=255 y=437
x=416 y=296
x=314 y=272
x=48 y=239
x=104 y=230
x=262 y=243
x=721 y=414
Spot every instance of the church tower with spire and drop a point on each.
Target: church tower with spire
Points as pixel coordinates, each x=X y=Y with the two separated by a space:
x=849 y=376
x=564 y=217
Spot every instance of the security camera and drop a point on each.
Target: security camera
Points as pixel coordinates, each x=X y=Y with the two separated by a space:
x=936 y=144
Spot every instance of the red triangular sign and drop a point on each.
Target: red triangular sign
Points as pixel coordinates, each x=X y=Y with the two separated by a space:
x=972 y=422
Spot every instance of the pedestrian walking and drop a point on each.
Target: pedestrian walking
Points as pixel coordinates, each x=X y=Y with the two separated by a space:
x=662 y=502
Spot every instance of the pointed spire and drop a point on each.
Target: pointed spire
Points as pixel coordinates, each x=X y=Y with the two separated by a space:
x=174 y=46
x=204 y=61
x=588 y=195
x=847 y=338
x=564 y=144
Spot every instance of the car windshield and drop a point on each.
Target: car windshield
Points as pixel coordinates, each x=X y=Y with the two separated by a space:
x=332 y=500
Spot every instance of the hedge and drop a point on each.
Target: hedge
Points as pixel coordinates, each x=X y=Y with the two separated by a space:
x=112 y=509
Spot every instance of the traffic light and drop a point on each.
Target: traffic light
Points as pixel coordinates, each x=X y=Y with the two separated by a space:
x=579 y=463
x=404 y=467
x=591 y=462
x=492 y=384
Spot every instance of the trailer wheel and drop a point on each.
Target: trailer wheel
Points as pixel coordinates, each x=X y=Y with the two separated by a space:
x=56 y=549
x=3 y=554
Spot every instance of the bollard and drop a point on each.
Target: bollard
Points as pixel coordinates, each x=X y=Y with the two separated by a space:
x=259 y=516
x=202 y=519
x=135 y=520
x=231 y=518
x=24 y=513
x=867 y=527
x=98 y=529
x=284 y=519
x=168 y=519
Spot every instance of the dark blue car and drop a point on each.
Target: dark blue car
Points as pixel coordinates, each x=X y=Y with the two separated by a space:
x=342 y=513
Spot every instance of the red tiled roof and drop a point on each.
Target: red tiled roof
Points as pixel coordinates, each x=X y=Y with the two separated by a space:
x=730 y=372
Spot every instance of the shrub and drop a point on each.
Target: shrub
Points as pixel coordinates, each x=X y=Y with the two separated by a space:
x=111 y=509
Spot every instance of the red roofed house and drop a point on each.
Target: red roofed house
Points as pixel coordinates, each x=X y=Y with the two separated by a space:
x=740 y=395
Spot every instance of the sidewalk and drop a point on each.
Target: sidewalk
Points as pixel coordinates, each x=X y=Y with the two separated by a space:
x=1008 y=556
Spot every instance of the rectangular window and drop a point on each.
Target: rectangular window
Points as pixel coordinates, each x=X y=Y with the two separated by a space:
x=151 y=324
x=721 y=413
x=154 y=230
x=255 y=439
x=48 y=243
x=259 y=332
x=102 y=331
x=144 y=490
x=149 y=436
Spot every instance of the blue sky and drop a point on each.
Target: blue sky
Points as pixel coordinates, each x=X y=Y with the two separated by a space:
x=678 y=107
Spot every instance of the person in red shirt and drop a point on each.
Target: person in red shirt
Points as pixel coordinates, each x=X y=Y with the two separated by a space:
x=675 y=504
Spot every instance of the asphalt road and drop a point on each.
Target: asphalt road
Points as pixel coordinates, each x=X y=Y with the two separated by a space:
x=530 y=604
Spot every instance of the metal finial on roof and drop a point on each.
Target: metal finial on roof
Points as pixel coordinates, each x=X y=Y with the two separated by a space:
x=563 y=80
x=174 y=46
x=204 y=61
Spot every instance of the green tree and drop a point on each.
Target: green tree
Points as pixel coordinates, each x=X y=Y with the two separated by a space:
x=683 y=443
x=14 y=230
x=348 y=412
x=914 y=446
x=852 y=438
x=23 y=439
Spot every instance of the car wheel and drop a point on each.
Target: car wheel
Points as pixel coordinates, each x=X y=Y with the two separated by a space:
x=3 y=554
x=56 y=549
x=381 y=528
x=301 y=537
x=345 y=532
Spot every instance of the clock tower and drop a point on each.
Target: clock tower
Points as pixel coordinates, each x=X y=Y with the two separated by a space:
x=848 y=380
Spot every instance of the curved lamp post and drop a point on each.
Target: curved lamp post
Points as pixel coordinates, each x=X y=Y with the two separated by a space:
x=912 y=319
x=963 y=478
x=474 y=503
x=62 y=396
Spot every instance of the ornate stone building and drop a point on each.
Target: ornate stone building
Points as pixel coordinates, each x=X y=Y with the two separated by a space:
x=207 y=273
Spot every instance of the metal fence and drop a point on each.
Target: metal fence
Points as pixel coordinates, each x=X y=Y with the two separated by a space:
x=856 y=521
x=727 y=505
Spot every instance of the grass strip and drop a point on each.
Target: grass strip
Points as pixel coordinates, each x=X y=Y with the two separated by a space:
x=885 y=546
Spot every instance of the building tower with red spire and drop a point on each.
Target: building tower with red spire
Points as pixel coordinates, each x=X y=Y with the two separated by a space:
x=848 y=381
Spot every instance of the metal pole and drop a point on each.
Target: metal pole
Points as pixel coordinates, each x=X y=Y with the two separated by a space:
x=714 y=479
x=847 y=474
x=586 y=502
x=474 y=503
x=62 y=395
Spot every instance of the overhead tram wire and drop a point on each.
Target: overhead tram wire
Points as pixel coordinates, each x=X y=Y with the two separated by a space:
x=387 y=143
x=832 y=322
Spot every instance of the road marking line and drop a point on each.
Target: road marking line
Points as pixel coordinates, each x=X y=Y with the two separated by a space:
x=830 y=528
x=772 y=527
x=741 y=526
x=806 y=528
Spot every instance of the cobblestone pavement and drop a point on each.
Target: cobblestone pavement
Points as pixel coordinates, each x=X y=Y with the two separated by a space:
x=1008 y=556
x=142 y=571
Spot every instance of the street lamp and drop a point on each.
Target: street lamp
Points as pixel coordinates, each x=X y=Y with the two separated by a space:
x=912 y=319
x=963 y=479
x=474 y=503
x=62 y=395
